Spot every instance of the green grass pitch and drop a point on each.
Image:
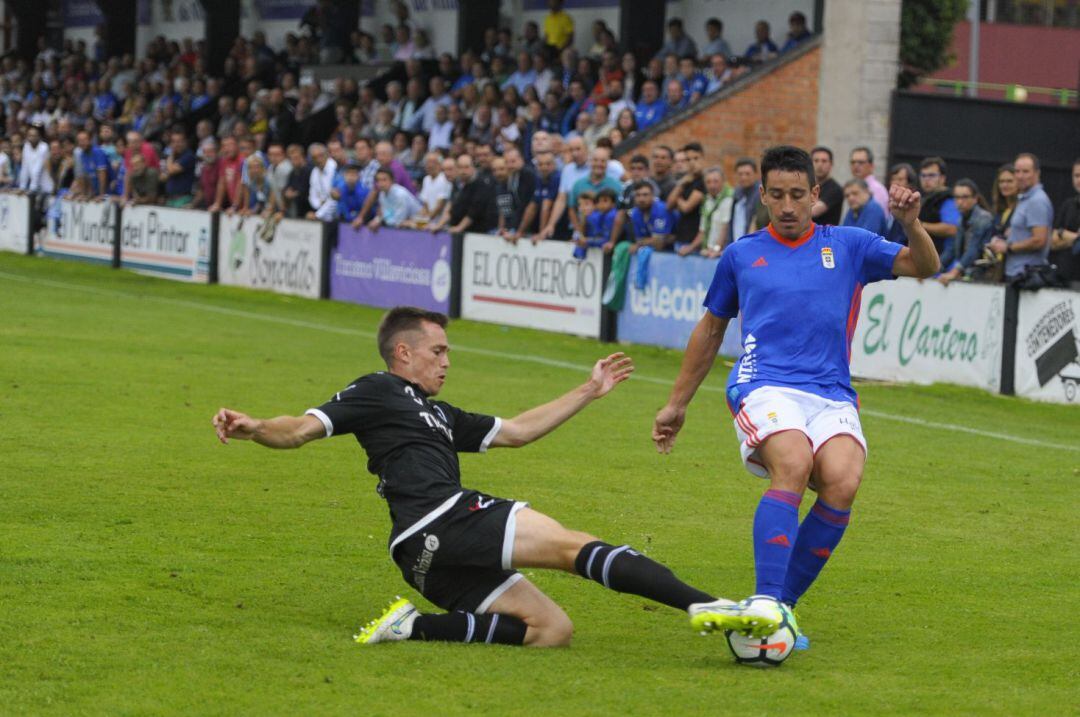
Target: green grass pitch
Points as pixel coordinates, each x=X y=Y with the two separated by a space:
x=146 y=569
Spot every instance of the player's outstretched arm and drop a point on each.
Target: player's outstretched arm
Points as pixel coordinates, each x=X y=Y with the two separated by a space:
x=919 y=258
x=538 y=422
x=697 y=361
x=280 y=432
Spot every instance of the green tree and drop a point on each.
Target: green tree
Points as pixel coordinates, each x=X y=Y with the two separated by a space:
x=926 y=32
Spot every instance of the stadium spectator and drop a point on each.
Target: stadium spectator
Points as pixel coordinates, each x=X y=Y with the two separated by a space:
x=828 y=207
x=1027 y=241
x=33 y=168
x=713 y=232
x=298 y=188
x=92 y=169
x=548 y=177
x=350 y=195
x=863 y=211
x=473 y=209
x=280 y=168
x=746 y=201
x=231 y=168
x=626 y=123
x=323 y=206
x=972 y=234
x=595 y=180
x=684 y=200
x=651 y=108
x=678 y=43
x=209 y=171
x=901 y=175
x=717 y=45
x=763 y=48
x=719 y=74
x=1064 y=249
x=436 y=186
x=572 y=171
x=650 y=222
x=178 y=172
x=599 y=126
x=674 y=97
x=518 y=195
x=862 y=167
x=939 y=215
x=558 y=26
x=797 y=31
x=257 y=194
x=693 y=82
x=396 y=204
x=662 y=164
x=141 y=183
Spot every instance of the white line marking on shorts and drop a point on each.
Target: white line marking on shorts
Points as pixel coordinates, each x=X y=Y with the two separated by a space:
x=541 y=360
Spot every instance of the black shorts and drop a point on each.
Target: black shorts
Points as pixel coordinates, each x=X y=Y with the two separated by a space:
x=461 y=560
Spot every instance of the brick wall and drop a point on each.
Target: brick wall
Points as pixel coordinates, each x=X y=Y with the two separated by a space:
x=780 y=107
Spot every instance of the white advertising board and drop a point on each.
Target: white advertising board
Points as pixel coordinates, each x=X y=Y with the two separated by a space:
x=1048 y=346
x=79 y=230
x=14 y=222
x=290 y=263
x=170 y=243
x=923 y=332
x=537 y=286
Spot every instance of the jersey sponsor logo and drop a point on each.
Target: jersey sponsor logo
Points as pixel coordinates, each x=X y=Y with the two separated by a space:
x=748 y=362
x=827 y=259
x=438 y=425
x=760 y=262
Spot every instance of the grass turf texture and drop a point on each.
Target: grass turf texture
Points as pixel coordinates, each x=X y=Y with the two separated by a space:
x=146 y=569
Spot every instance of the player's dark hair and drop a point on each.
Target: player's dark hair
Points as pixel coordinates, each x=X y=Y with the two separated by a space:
x=642 y=159
x=935 y=162
x=694 y=147
x=641 y=185
x=386 y=171
x=909 y=174
x=786 y=158
x=609 y=193
x=404 y=318
x=822 y=148
x=746 y=162
x=588 y=196
x=971 y=186
x=665 y=148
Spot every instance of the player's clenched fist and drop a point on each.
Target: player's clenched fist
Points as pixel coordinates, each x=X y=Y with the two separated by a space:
x=233 y=424
x=904 y=204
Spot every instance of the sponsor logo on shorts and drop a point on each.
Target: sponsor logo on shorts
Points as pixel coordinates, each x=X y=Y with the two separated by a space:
x=773 y=417
x=423 y=563
x=431 y=543
x=849 y=422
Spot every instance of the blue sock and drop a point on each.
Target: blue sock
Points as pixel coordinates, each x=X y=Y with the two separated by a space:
x=776 y=523
x=819 y=535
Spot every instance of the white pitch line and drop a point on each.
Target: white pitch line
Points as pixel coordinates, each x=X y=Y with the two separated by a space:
x=541 y=360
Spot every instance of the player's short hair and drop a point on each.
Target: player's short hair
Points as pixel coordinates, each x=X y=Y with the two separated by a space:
x=822 y=148
x=746 y=162
x=693 y=147
x=935 y=162
x=869 y=153
x=404 y=318
x=609 y=193
x=786 y=158
x=1029 y=155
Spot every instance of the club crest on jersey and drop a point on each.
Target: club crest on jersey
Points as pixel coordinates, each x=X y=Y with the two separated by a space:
x=827 y=260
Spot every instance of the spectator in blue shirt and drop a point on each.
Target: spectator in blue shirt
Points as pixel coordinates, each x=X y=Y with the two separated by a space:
x=350 y=195
x=675 y=99
x=717 y=45
x=93 y=170
x=578 y=97
x=693 y=82
x=105 y=102
x=763 y=48
x=938 y=215
x=650 y=108
x=599 y=211
x=650 y=222
x=863 y=211
x=797 y=31
x=525 y=76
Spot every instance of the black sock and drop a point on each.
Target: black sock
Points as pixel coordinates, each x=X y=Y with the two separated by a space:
x=628 y=571
x=469 y=627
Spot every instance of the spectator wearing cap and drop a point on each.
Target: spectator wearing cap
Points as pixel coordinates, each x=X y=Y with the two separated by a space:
x=1028 y=242
x=717 y=45
x=863 y=211
x=397 y=205
x=350 y=195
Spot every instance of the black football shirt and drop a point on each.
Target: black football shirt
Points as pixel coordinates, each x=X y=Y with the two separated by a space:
x=411 y=441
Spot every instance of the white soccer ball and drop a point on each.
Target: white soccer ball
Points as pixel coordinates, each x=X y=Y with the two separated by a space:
x=768 y=651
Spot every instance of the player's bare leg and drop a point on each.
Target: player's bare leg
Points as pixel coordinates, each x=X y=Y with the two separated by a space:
x=542 y=542
x=547 y=624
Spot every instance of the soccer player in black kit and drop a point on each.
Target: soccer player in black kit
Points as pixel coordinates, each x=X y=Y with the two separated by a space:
x=461 y=548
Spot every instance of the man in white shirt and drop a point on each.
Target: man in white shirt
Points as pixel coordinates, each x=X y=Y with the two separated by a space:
x=34 y=174
x=323 y=205
x=436 y=187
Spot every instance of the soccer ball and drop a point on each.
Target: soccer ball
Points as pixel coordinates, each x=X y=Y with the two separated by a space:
x=768 y=651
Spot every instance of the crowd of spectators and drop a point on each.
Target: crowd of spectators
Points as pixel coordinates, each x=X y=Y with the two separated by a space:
x=516 y=139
